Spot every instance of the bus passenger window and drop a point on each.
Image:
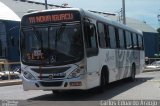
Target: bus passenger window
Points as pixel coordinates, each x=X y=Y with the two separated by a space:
x=117 y=38
x=121 y=38
x=128 y=40
x=125 y=42
x=112 y=37
x=135 y=42
x=107 y=36
x=140 y=42
x=102 y=36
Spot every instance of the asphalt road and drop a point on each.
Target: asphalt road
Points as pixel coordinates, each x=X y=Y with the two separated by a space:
x=146 y=87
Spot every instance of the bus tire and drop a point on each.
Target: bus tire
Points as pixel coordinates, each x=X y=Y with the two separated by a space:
x=133 y=73
x=103 y=82
x=55 y=92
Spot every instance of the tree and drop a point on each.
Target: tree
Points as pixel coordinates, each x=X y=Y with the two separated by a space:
x=158 y=30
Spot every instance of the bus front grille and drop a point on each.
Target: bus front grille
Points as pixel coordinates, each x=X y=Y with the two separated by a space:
x=47 y=77
x=50 y=70
x=51 y=84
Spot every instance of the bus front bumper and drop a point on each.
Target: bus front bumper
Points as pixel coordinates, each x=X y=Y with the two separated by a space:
x=65 y=84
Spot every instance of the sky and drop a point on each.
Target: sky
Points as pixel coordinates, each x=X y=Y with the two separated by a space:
x=143 y=10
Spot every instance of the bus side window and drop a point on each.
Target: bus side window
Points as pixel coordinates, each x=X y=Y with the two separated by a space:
x=90 y=39
x=112 y=37
x=125 y=42
x=128 y=40
x=135 y=42
x=140 y=42
x=117 y=38
x=121 y=38
x=101 y=35
x=107 y=36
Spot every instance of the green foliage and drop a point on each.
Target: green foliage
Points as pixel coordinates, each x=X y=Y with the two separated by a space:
x=158 y=30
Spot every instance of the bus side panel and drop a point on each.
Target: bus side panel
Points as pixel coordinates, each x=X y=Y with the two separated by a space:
x=142 y=61
x=124 y=61
x=120 y=66
x=107 y=58
x=136 y=60
x=93 y=77
x=119 y=62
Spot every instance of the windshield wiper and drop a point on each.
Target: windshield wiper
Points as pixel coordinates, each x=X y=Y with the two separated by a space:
x=37 y=35
x=70 y=55
x=59 y=32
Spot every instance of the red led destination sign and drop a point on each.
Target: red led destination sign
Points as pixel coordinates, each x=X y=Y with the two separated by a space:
x=51 y=18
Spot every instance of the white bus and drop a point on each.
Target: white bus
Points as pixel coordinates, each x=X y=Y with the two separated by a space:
x=70 y=48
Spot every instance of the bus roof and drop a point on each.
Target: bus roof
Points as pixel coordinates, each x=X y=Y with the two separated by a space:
x=110 y=21
x=7 y=14
x=55 y=9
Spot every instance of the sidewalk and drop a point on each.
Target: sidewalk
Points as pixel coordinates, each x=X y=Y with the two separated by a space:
x=10 y=82
x=151 y=70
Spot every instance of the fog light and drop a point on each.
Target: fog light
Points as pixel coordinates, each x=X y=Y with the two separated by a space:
x=75 y=83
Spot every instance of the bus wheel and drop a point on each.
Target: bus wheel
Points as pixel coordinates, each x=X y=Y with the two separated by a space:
x=102 y=86
x=55 y=92
x=133 y=73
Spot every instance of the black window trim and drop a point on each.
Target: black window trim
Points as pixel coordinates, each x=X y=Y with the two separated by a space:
x=124 y=35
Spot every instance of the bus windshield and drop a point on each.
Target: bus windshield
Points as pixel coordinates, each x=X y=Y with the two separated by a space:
x=54 y=45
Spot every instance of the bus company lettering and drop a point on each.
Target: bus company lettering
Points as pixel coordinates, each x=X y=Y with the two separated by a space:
x=51 y=18
x=109 y=57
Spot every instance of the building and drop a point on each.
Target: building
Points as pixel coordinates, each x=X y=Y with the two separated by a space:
x=9 y=37
x=21 y=7
x=9 y=34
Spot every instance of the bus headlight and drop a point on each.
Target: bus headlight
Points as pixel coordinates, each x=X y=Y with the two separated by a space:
x=76 y=73
x=28 y=75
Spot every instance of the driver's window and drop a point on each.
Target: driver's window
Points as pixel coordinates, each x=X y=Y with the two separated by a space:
x=90 y=40
x=90 y=36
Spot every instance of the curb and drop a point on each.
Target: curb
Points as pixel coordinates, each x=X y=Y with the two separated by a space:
x=10 y=82
x=150 y=70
